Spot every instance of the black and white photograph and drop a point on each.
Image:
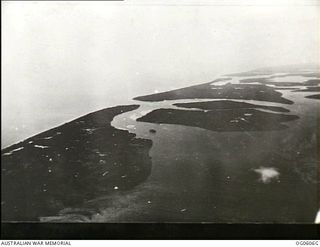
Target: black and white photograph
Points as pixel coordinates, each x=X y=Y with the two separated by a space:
x=141 y=111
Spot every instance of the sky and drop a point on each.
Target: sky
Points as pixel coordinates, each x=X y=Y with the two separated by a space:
x=64 y=59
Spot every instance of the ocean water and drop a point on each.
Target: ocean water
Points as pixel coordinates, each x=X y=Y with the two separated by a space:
x=207 y=176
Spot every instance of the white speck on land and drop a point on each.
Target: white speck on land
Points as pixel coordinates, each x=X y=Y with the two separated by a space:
x=14 y=150
x=102 y=162
x=267 y=174
x=30 y=142
x=49 y=170
x=48 y=138
x=248 y=114
x=90 y=131
x=183 y=210
x=101 y=155
x=115 y=187
x=124 y=176
x=50 y=159
x=39 y=146
x=149 y=202
x=243 y=119
x=317 y=220
x=105 y=173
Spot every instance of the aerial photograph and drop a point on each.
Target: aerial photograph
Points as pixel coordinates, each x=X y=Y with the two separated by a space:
x=139 y=112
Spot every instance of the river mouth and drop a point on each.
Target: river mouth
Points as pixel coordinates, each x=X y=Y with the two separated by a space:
x=207 y=159
x=200 y=175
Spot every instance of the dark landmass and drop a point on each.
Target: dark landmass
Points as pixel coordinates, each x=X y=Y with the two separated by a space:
x=69 y=164
x=310 y=74
x=313 y=82
x=286 y=88
x=220 y=120
x=73 y=172
x=308 y=89
x=218 y=80
x=228 y=91
x=267 y=81
x=315 y=96
x=227 y=104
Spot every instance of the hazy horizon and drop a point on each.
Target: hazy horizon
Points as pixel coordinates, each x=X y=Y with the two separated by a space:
x=64 y=59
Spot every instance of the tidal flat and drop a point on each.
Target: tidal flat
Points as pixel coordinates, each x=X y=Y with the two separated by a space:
x=315 y=96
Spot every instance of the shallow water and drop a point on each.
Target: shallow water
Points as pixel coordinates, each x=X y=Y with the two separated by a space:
x=206 y=176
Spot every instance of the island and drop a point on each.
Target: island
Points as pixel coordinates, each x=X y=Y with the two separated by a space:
x=227 y=91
